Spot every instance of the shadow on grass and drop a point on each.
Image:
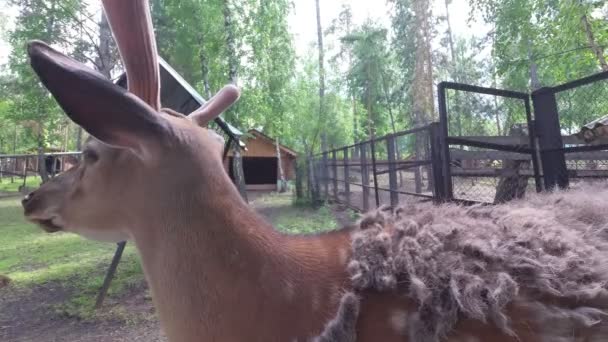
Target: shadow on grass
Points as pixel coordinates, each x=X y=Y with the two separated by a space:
x=31 y=258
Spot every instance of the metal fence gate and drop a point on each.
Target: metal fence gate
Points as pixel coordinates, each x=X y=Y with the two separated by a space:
x=488 y=147
x=488 y=143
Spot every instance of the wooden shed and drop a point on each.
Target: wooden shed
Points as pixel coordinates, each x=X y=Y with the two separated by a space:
x=260 y=162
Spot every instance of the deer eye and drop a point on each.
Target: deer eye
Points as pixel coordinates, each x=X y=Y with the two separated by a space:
x=90 y=156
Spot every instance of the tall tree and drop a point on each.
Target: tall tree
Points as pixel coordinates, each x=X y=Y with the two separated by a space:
x=322 y=113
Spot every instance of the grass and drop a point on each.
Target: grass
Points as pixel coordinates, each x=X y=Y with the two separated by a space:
x=295 y=218
x=7 y=186
x=31 y=257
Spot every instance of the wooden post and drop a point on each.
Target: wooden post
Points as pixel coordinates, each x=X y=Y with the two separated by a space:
x=511 y=184
x=42 y=171
x=282 y=183
x=392 y=170
x=237 y=170
x=364 y=177
x=325 y=175
x=346 y=177
x=553 y=160
x=417 y=157
x=110 y=275
x=25 y=175
x=439 y=180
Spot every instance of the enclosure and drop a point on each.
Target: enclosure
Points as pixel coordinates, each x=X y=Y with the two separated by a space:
x=519 y=143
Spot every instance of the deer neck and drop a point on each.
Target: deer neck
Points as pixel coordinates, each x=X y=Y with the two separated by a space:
x=216 y=260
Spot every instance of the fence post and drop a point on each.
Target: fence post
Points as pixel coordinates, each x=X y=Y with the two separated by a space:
x=446 y=172
x=325 y=175
x=364 y=178
x=346 y=177
x=436 y=163
x=109 y=275
x=553 y=160
x=392 y=170
x=334 y=158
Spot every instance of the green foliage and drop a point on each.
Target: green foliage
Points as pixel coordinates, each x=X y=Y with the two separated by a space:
x=371 y=70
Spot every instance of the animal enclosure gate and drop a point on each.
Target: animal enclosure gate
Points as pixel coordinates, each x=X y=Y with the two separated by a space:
x=490 y=146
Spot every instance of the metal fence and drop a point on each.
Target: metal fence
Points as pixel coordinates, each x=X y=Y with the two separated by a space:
x=490 y=146
x=488 y=149
x=390 y=169
x=16 y=168
x=580 y=153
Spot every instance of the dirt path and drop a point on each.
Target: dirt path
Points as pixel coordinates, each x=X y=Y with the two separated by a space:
x=30 y=316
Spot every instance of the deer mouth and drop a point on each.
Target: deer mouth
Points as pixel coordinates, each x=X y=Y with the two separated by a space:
x=47 y=224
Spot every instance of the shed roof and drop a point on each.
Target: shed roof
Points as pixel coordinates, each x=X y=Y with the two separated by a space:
x=261 y=135
x=596 y=130
x=179 y=95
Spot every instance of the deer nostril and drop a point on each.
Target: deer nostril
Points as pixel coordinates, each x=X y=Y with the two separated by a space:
x=27 y=198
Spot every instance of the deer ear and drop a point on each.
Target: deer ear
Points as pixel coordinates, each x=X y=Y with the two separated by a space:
x=105 y=110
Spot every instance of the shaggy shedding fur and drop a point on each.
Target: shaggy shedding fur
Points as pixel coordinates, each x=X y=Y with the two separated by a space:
x=342 y=327
x=4 y=281
x=471 y=262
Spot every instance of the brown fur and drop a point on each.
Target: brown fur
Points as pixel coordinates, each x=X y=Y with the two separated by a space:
x=219 y=272
x=460 y=262
x=4 y=281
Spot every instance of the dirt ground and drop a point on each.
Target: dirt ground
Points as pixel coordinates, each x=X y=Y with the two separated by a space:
x=31 y=315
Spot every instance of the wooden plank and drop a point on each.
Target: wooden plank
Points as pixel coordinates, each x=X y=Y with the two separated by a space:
x=485 y=155
x=503 y=140
x=489 y=172
x=457 y=154
x=507 y=140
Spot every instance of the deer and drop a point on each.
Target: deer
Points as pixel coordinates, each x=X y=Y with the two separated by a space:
x=217 y=270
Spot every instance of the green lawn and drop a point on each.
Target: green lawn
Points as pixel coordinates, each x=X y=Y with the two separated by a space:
x=294 y=218
x=7 y=186
x=30 y=257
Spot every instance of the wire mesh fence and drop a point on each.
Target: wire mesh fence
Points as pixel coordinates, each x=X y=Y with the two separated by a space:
x=583 y=115
x=488 y=152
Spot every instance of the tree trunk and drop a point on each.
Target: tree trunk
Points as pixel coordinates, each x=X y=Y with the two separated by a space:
x=450 y=40
x=282 y=183
x=42 y=163
x=512 y=185
x=15 y=159
x=321 y=78
x=422 y=97
x=204 y=66
x=237 y=170
x=203 y=60
x=534 y=80
x=233 y=61
x=393 y=126
x=299 y=185
x=597 y=50
x=104 y=60
x=230 y=43
x=79 y=133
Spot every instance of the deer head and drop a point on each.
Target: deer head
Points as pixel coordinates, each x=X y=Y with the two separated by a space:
x=130 y=162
